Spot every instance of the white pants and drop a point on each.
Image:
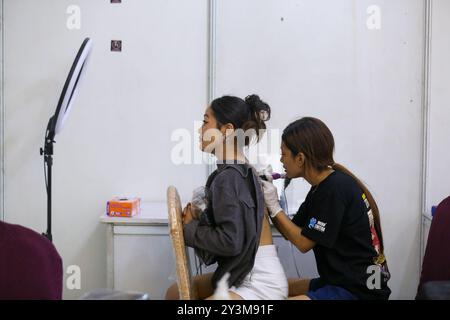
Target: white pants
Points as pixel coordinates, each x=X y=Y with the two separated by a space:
x=267 y=280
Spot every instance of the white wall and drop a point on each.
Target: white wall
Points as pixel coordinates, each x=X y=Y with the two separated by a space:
x=1 y=116
x=318 y=58
x=439 y=145
x=117 y=140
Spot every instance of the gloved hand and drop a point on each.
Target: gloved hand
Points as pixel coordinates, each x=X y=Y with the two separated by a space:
x=271 y=198
x=266 y=173
x=199 y=202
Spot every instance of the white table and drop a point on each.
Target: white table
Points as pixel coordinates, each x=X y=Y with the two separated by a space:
x=140 y=254
x=139 y=251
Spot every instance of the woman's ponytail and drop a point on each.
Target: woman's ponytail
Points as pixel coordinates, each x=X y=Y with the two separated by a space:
x=259 y=114
x=370 y=199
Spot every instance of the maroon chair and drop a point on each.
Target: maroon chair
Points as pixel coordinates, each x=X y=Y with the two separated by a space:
x=30 y=266
x=435 y=278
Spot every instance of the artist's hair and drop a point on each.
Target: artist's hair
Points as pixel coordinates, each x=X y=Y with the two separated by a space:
x=248 y=114
x=312 y=137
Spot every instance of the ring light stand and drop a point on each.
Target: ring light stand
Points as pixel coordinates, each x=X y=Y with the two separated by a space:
x=57 y=121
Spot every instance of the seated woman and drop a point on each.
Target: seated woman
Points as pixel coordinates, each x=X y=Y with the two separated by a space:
x=339 y=219
x=234 y=230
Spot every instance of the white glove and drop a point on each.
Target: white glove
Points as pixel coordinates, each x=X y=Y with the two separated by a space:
x=266 y=172
x=271 y=198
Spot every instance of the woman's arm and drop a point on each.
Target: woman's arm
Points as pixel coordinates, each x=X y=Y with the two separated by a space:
x=227 y=236
x=292 y=232
x=282 y=222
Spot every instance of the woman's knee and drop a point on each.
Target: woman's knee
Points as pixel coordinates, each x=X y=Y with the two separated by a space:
x=202 y=286
x=302 y=297
x=298 y=287
x=172 y=292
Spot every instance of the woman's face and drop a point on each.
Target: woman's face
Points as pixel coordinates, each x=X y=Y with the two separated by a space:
x=210 y=136
x=293 y=165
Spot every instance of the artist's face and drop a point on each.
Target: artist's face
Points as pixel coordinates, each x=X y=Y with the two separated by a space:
x=210 y=136
x=294 y=165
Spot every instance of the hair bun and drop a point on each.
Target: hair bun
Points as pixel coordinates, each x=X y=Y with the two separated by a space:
x=259 y=108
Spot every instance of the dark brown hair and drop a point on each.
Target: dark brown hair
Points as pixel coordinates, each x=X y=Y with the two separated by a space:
x=312 y=137
x=248 y=114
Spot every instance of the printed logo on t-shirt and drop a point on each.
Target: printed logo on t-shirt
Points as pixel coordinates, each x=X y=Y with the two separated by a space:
x=366 y=201
x=375 y=239
x=317 y=225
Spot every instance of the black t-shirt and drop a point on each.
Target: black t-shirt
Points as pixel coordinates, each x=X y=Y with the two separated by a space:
x=335 y=216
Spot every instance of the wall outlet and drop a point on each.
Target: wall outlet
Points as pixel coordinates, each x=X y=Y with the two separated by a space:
x=116 y=45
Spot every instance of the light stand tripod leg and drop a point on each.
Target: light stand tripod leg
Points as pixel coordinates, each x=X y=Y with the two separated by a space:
x=49 y=161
